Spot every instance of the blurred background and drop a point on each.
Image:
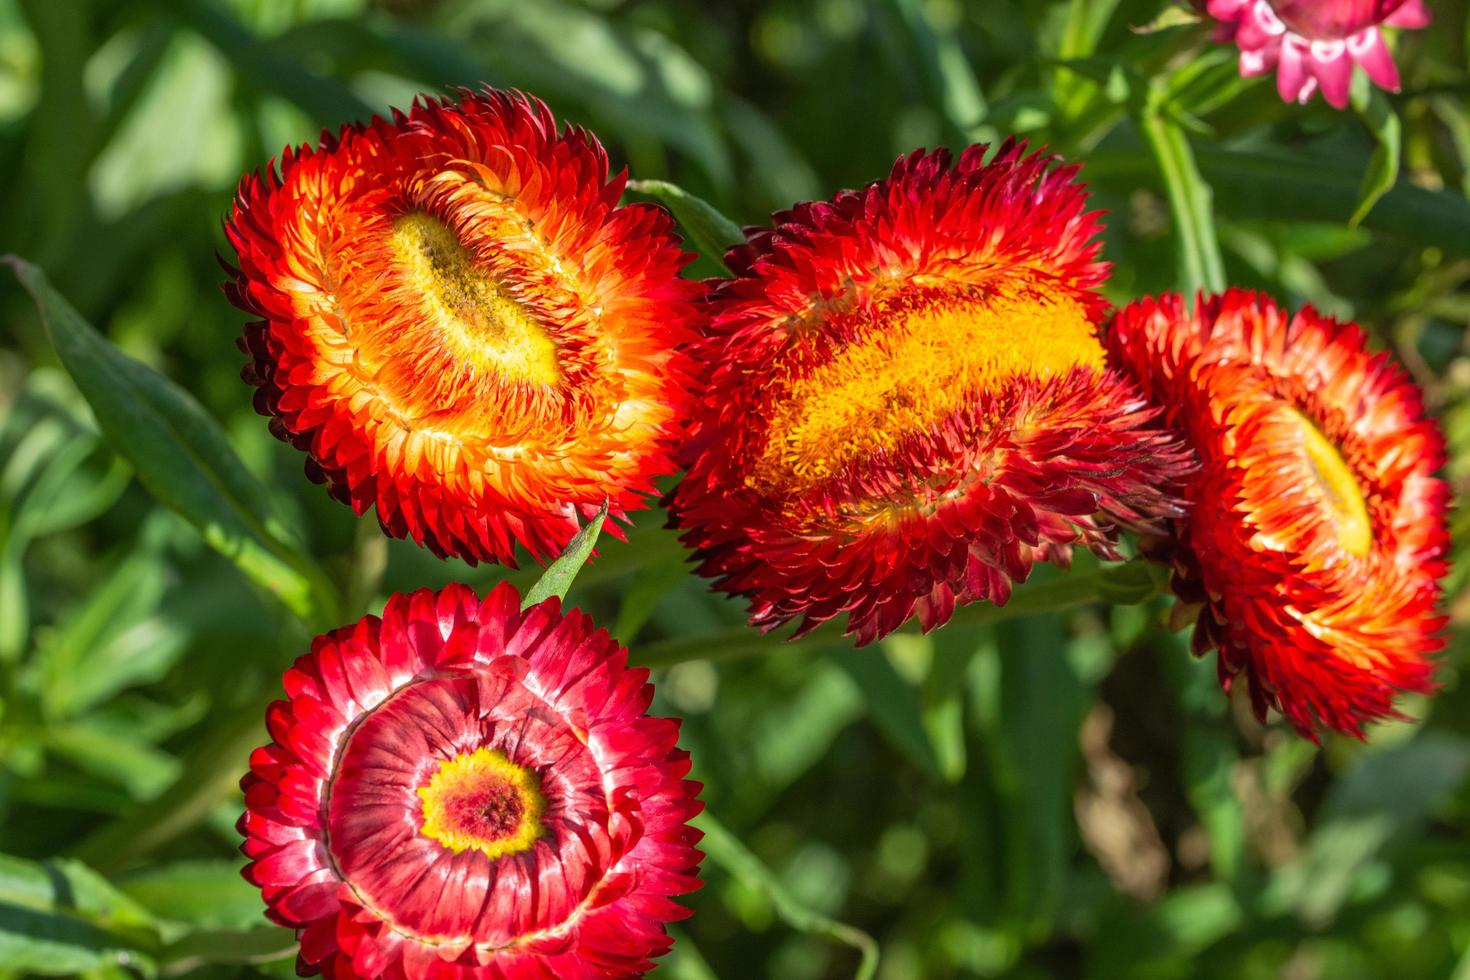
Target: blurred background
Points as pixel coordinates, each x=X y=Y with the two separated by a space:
x=1058 y=795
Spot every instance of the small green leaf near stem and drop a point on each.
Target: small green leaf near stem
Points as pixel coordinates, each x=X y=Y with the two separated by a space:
x=558 y=577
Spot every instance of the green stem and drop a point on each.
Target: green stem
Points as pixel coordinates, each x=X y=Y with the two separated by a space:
x=1125 y=584
x=1190 y=200
x=726 y=850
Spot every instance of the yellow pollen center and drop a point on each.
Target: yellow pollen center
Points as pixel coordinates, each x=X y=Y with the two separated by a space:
x=911 y=372
x=474 y=314
x=1338 y=489
x=482 y=801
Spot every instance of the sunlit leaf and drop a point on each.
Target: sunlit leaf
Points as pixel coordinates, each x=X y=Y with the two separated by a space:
x=180 y=454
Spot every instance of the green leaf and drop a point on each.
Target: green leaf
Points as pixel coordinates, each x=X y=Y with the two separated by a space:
x=326 y=100
x=210 y=894
x=1294 y=187
x=181 y=455
x=725 y=849
x=264 y=944
x=712 y=233
x=648 y=588
x=1386 y=797
x=948 y=76
x=893 y=704
x=558 y=577
x=59 y=918
x=1190 y=202
x=1383 y=167
x=210 y=775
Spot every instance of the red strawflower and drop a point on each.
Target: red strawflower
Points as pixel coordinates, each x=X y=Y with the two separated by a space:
x=905 y=403
x=1316 y=536
x=462 y=789
x=1313 y=44
x=460 y=325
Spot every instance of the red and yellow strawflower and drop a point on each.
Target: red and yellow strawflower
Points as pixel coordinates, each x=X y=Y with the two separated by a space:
x=905 y=403
x=461 y=327
x=1316 y=537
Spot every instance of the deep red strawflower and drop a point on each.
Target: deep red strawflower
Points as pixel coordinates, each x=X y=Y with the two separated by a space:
x=461 y=327
x=464 y=790
x=1316 y=538
x=1315 y=44
x=905 y=403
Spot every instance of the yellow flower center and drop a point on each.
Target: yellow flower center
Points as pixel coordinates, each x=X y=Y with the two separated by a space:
x=482 y=801
x=1337 y=488
x=915 y=368
x=473 y=314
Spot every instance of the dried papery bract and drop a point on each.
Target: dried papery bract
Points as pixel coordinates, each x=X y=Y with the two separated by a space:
x=905 y=403
x=461 y=327
x=1316 y=538
x=461 y=789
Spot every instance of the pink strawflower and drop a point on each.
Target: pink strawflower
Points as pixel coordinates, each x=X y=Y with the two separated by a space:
x=1315 y=43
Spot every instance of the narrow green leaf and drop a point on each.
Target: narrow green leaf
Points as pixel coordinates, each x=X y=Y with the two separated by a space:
x=1190 y=202
x=60 y=918
x=210 y=775
x=946 y=69
x=712 y=233
x=180 y=454
x=558 y=577
x=1383 y=166
x=325 y=99
x=726 y=850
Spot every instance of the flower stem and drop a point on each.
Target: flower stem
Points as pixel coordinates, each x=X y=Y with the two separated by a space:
x=1190 y=199
x=1127 y=584
x=726 y=850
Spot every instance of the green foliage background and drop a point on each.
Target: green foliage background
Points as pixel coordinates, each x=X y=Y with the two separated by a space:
x=1054 y=795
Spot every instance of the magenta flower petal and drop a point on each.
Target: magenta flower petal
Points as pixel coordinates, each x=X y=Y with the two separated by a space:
x=1314 y=44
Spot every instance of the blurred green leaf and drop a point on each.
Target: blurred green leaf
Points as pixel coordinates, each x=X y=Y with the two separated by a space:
x=211 y=774
x=946 y=70
x=328 y=101
x=202 y=947
x=209 y=894
x=1034 y=751
x=557 y=578
x=892 y=703
x=711 y=232
x=91 y=655
x=60 y=917
x=180 y=453
x=725 y=849
x=1384 y=798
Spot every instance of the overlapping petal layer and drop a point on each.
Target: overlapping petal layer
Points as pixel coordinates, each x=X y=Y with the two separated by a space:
x=1316 y=536
x=905 y=403
x=464 y=790
x=461 y=327
x=1315 y=44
